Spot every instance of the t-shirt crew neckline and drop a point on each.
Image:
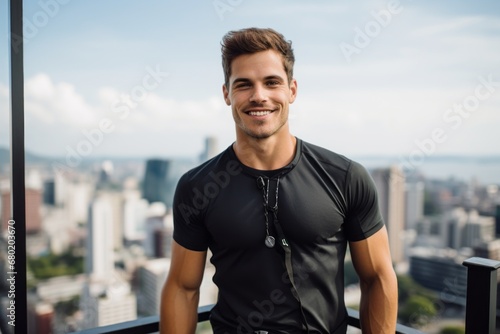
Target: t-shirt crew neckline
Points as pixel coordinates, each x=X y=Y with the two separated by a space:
x=274 y=172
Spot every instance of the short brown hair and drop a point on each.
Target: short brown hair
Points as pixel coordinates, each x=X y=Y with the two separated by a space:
x=252 y=40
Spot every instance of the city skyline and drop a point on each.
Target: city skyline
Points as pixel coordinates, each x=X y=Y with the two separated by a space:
x=380 y=78
x=467 y=168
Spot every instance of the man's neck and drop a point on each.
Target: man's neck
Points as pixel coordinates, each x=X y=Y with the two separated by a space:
x=266 y=154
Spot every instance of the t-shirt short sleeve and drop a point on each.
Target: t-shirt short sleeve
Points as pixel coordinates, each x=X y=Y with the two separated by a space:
x=189 y=230
x=363 y=212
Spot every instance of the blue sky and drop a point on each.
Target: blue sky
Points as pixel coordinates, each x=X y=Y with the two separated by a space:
x=374 y=77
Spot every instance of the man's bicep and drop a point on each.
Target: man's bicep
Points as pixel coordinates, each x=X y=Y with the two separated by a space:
x=186 y=267
x=371 y=256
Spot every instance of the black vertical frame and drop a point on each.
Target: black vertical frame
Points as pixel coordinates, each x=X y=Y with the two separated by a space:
x=481 y=305
x=17 y=182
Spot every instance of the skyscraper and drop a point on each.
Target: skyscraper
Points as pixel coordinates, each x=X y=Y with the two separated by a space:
x=161 y=177
x=151 y=280
x=390 y=183
x=100 y=257
x=33 y=209
x=466 y=228
x=155 y=187
x=107 y=297
x=152 y=277
x=414 y=203
x=108 y=303
x=211 y=149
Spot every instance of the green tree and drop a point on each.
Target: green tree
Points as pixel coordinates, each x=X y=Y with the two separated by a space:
x=68 y=307
x=408 y=287
x=52 y=265
x=417 y=311
x=452 y=330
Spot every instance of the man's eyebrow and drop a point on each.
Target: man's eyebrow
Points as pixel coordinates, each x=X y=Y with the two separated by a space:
x=274 y=77
x=237 y=80
x=269 y=77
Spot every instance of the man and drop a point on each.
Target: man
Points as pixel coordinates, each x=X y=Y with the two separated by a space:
x=277 y=214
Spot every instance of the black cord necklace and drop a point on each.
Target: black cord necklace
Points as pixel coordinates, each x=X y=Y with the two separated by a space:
x=269 y=241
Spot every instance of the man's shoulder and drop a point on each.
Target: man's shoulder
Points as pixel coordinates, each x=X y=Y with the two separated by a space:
x=222 y=162
x=332 y=161
x=325 y=156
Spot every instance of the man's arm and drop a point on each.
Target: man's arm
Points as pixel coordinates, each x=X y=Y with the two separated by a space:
x=379 y=288
x=180 y=294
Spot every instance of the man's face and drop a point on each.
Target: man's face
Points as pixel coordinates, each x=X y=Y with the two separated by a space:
x=259 y=94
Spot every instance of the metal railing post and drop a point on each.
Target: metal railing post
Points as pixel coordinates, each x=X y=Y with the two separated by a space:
x=17 y=269
x=481 y=305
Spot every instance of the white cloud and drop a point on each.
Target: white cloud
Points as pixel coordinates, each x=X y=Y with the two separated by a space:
x=47 y=102
x=157 y=113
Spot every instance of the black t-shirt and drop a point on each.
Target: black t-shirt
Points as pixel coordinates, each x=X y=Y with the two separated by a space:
x=324 y=200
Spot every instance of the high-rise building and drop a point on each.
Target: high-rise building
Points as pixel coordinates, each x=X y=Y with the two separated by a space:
x=40 y=318
x=488 y=250
x=156 y=231
x=390 y=183
x=414 y=208
x=100 y=254
x=106 y=303
x=211 y=149
x=152 y=278
x=155 y=186
x=75 y=197
x=49 y=192
x=441 y=271
x=33 y=210
x=162 y=242
x=135 y=211
x=105 y=172
x=107 y=296
x=466 y=228
x=161 y=177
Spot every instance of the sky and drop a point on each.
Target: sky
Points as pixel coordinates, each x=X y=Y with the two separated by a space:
x=144 y=78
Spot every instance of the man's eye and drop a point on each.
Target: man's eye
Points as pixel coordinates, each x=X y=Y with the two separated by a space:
x=243 y=85
x=273 y=83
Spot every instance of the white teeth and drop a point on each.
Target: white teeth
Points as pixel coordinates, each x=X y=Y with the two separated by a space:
x=259 y=113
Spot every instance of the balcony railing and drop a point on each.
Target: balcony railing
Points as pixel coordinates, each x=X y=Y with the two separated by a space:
x=151 y=324
x=480 y=306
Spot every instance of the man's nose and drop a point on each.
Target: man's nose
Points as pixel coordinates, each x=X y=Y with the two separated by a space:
x=258 y=94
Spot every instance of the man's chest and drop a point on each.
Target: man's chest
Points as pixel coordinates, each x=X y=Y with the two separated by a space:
x=308 y=208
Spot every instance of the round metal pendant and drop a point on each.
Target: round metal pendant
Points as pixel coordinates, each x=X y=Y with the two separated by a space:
x=270 y=241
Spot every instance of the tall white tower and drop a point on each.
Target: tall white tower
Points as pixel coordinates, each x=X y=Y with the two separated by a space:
x=390 y=184
x=100 y=257
x=107 y=297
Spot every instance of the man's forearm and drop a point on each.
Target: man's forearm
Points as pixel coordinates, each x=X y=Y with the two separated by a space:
x=379 y=306
x=179 y=312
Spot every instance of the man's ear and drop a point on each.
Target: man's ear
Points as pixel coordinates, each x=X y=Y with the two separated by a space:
x=293 y=90
x=225 y=92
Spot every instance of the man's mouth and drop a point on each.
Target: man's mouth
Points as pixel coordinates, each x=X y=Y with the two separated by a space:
x=259 y=112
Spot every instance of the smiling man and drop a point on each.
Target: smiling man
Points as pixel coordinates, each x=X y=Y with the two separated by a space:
x=277 y=214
